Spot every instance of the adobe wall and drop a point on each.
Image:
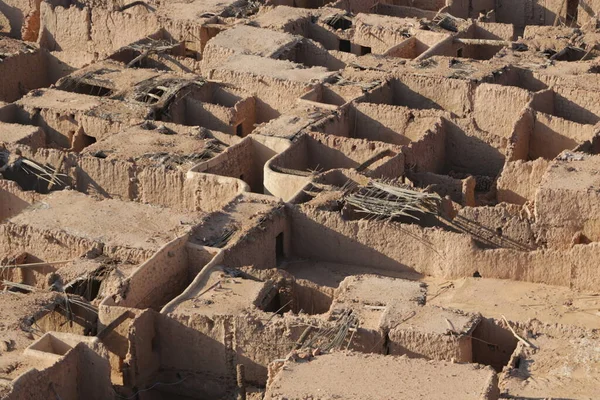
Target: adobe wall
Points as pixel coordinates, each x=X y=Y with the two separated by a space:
x=391 y=166
x=258 y=246
x=276 y=90
x=416 y=45
x=520 y=14
x=13 y=200
x=191 y=191
x=426 y=92
x=445 y=47
x=236 y=161
x=573 y=268
x=470 y=150
x=47 y=245
x=54 y=36
x=519 y=180
x=46 y=156
x=433 y=5
x=23 y=17
x=327 y=152
x=496 y=108
x=379 y=38
x=245 y=114
x=340 y=123
x=386 y=123
x=194 y=345
x=586 y=12
x=27 y=71
x=265 y=148
x=112 y=178
x=354 y=6
x=207 y=349
x=324 y=35
x=159 y=279
x=94 y=30
x=326 y=236
x=567 y=217
x=211 y=116
x=551 y=135
x=575 y=104
x=543 y=100
x=8 y=113
x=518 y=148
x=143 y=358
x=434 y=346
x=283 y=185
x=409 y=48
x=155 y=185
x=26 y=135
x=80 y=373
x=428 y=154
x=287 y=19
x=203 y=261
x=320 y=153
x=476 y=7
x=211 y=192
x=444 y=185
x=61 y=125
x=493 y=30
x=503 y=225
x=314 y=54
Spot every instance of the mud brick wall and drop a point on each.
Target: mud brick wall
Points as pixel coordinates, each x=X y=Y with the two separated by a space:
x=27 y=71
x=520 y=180
x=211 y=116
x=425 y=92
x=13 y=200
x=497 y=108
x=237 y=162
x=158 y=280
x=259 y=247
x=578 y=105
x=551 y=135
x=81 y=373
x=428 y=154
x=518 y=148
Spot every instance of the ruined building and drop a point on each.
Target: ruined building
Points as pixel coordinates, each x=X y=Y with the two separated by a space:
x=275 y=199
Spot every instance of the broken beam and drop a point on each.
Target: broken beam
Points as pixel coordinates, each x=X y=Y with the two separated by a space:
x=481 y=42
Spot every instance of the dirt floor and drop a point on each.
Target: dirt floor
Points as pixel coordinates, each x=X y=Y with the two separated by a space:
x=299 y=200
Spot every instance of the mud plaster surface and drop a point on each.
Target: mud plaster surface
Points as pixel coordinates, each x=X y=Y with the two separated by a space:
x=108 y=221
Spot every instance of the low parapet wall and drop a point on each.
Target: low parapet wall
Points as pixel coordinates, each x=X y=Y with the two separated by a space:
x=410 y=248
x=80 y=373
x=158 y=279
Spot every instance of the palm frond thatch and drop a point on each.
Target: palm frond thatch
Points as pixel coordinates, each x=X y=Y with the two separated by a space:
x=385 y=200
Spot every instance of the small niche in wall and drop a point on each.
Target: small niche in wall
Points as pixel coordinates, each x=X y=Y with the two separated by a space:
x=345 y=46
x=279 y=247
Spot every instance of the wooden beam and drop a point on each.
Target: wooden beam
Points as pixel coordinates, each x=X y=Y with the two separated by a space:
x=481 y=42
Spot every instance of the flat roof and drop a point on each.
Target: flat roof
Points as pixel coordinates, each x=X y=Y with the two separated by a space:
x=352 y=376
x=277 y=69
x=246 y=39
x=17 y=133
x=112 y=222
x=166 y=144
x=231 y=296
